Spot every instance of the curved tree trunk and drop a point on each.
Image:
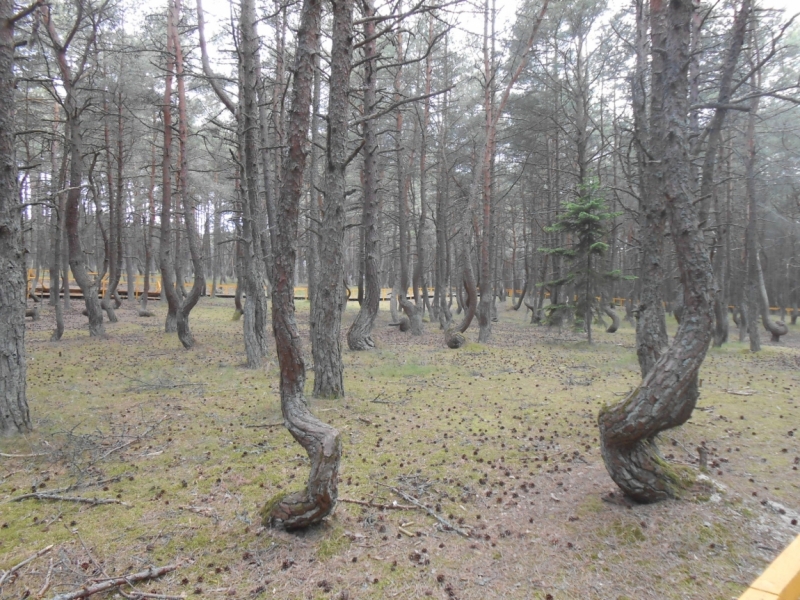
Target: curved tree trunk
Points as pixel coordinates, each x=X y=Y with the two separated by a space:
x=608 y=308
x=413 y=314
x=668 y=393
x=199 y=283
x=359 y=336
x=321 y=441
x=775 y=328
x=330 y=302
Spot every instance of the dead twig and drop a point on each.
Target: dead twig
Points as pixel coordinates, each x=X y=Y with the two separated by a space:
x=159 y=384
x=265 y=425
x=200 y=510
x=46 y=585
x=92 y=501
x=24 y=455
x=744 y=392
x=378 y=506
x=421 y=506
x=30 y=559
x=110 y=584
x=138 y=438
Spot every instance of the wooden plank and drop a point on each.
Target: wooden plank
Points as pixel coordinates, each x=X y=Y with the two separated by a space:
x=780 y=580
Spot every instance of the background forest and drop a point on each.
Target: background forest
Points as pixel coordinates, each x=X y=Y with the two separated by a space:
x=392 y=178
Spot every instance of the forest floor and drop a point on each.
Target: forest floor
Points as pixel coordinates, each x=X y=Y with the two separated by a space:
x=499 y=440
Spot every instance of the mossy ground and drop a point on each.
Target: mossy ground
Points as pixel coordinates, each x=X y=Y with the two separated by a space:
x=498 y=438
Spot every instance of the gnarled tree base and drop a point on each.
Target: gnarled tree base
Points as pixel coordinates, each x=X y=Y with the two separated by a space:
x=609 y=309
x=643 y=474
x=777 y=330
x=454 y=339
x=413 y=317
x=628 y=431
x=359 y=342
x=323 y=444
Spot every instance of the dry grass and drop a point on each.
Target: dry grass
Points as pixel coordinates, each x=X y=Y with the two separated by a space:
x=500 y=439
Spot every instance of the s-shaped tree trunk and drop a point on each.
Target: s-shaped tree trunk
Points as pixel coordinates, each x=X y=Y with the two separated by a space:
x=321 y=441
x=668 y=393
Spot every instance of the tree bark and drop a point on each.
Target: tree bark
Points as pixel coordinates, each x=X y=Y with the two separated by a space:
x=58 y=244
x=149 y=230
x=14 y=415
x=255 y=309
x=321 y=441
x=651 y=328
x=359 y=336
x=668 y=393
x=166 y=247
x=329 y=305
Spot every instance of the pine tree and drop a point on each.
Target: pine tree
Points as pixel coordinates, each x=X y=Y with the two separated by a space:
x=584 y=222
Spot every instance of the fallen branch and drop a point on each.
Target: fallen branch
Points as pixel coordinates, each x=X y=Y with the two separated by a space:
x=30 y=559
x=378 y=506
x=741 y=392
x=138 y=438
x=46 y=585
x=200 y=510
x=421 y=506
x=265 y=425
x=92 y=501
x=86 y=591
x=24 y=455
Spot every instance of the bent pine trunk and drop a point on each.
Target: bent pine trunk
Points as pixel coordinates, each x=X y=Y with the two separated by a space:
x=321 y=441
x=668 y=393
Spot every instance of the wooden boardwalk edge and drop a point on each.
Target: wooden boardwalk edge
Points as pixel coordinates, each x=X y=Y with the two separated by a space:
x=781 y=579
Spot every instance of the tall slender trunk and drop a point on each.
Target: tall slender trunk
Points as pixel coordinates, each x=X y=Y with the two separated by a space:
x=255 y=309
x=110 y=234
x=359 y=336
x=14 y=414
x=149 y=230
x=326 y=342
x=651 y=328
x=487 y=271
x=314 y=196
x=166 y=246
x=58 y=245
